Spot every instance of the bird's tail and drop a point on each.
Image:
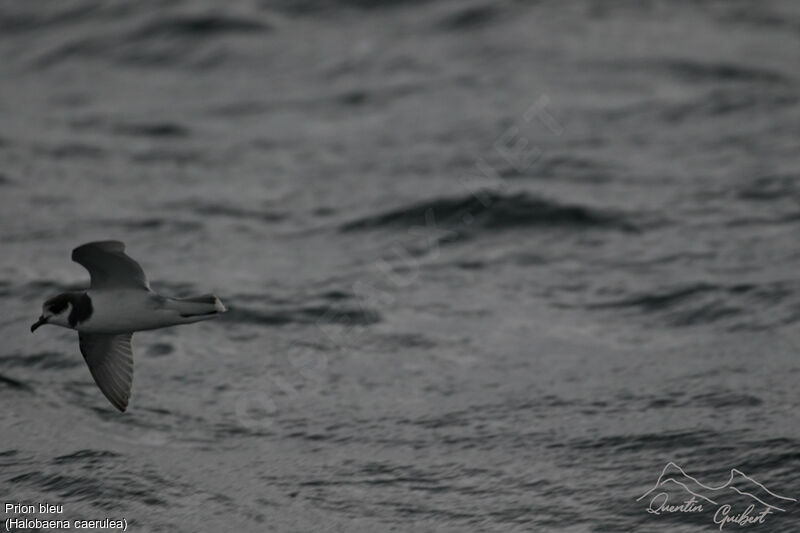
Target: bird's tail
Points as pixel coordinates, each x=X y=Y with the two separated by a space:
x=197 y=307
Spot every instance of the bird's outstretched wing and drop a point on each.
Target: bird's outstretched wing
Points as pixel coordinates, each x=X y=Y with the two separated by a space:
x=110 y=361
x=109 y=267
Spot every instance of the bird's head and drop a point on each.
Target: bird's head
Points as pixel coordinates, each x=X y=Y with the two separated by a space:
x=55 y=311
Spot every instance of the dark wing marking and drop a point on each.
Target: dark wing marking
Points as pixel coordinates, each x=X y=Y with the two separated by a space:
x=82 y=309
x=109 y=266
x=110 y=361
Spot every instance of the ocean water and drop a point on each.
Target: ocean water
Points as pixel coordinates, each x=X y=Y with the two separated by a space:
x=490 y=266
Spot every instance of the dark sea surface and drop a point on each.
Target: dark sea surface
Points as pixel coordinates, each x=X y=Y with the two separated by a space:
x=490 y=265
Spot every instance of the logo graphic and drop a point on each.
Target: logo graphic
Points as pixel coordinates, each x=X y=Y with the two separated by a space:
x=756 y=500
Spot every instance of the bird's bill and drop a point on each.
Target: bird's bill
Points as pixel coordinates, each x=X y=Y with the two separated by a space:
x=42 y=321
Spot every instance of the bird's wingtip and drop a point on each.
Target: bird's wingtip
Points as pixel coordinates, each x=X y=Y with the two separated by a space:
x=106 y=246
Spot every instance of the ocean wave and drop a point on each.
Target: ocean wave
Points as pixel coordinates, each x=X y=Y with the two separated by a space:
x=39 y=360
x=469 y=17
x=570 y=167
x=491 y=211
x=778 y=454
x=720 y=398
x=160 y=349
x=90 y=456
x=301 y=7
x=693 y=304
x=375 y=94
x=13 y=383
x=72 y=150
x=151 y=129
x=85 y=478
x=217 y=209
x=699 y=71
x=172 y=156
x=22 y=17
x=149 y=224
x=724 y=399
x=199 y=26
x=650 y=442
x=719 y=102
x=771 y=187
x=771 y=19
x=657 y=301
x=170 y=39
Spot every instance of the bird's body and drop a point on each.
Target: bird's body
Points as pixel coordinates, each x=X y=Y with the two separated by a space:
x=118 y=303
x=125 y=310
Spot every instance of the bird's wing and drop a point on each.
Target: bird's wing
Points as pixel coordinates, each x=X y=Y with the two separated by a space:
x=109 y=267
x=110 y=361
